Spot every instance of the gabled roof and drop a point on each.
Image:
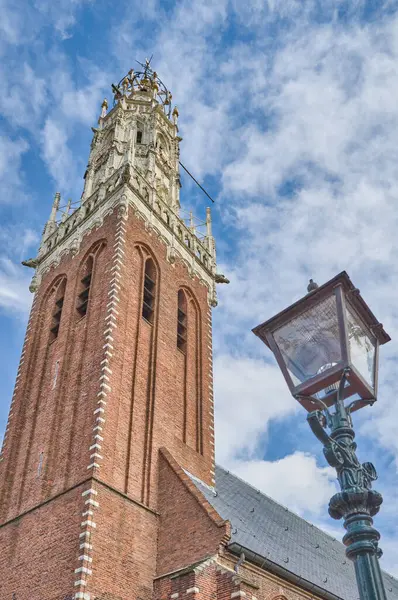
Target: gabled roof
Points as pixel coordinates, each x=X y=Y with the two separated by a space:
x=267 y=530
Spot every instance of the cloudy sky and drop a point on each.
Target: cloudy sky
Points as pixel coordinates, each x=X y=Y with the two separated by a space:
x=289 y=114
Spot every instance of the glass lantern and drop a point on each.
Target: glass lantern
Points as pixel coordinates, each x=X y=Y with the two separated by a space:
x=316 y=339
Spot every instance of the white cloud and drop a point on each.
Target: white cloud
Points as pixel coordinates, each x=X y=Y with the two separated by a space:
x=295 y=481
x=57 y=155
x=61 y=15
x=14 y=283
x=11 y=176
x=249 y=394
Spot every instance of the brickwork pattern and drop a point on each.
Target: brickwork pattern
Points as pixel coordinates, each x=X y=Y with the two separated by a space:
x=91 y=409
x=39 y=550
x=216 y=579
x=189 y=529
x=51 y=417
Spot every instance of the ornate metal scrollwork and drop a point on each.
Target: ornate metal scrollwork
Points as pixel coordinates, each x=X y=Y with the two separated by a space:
x=357 y=502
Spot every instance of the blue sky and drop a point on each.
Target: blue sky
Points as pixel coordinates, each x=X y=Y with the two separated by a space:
x=289 y=115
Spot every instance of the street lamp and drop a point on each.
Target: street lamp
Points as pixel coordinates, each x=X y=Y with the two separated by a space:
x=326 y=345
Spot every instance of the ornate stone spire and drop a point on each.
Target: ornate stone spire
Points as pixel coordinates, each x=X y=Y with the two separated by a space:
x=134 y=162
x=66 y=212
x=51 y=224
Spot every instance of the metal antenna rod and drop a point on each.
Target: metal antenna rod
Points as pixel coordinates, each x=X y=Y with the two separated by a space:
x=197 y=182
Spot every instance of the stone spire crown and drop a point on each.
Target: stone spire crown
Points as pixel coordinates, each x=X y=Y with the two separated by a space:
x=134 y=161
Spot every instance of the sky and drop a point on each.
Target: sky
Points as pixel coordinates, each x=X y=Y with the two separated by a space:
x=289 y=118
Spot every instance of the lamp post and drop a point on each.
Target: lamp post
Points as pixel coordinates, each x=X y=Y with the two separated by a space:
x=326 y=345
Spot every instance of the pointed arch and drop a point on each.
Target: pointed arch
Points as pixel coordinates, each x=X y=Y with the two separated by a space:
x=149 y=292
x=190 y=343
x=59 y=296
x=162 y=143
x=85 y=277
x=139 y=136
x=182 y=321
x=139 y=459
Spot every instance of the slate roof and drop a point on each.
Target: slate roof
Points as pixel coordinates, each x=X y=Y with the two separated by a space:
x=269 y=530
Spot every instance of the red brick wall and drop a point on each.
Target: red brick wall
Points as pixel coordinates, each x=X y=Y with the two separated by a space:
x=150 y=404
x=196 y=584
x=146 y=404
x=39 y=551
x=189 y=528
x=56 y=421
x=124 y=548
x=213 y=580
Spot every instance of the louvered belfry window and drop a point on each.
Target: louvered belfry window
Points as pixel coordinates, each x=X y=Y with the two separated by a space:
x=85 y=283
x=57 y=312
x=148 y=301
x=182 y=322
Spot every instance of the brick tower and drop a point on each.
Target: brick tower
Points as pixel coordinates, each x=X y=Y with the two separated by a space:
x=116 y=365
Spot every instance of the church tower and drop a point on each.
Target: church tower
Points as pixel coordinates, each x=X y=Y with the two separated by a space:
x=116 y=365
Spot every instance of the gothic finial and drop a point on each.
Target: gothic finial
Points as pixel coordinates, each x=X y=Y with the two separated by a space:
x=191 y=222
x=66 y=213
x=51 y=224
x=175 y=115
x=104 y=107
x=208 y=222
x=55 y=207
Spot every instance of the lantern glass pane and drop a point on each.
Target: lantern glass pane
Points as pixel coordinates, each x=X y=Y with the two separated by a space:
x=362 y=347
x=310 y=342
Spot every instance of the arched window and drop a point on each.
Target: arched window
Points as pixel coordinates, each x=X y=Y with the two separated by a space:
x=182 y=322
x=85 y=283
x=148 y=301
x=139 y=137
x=57 y=312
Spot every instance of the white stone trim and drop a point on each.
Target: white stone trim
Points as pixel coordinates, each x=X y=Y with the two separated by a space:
x=92 y=502
x=84 y=534
x=89 y=492
x=88 y=523
x=84 y=570
x=94 y=446
x=86 y=546
x=96 y=455
x=85 y=558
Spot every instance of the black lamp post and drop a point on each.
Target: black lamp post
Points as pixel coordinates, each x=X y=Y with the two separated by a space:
x=327 y=346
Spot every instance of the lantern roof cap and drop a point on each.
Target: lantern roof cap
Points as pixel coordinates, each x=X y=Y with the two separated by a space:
x=315 y=296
